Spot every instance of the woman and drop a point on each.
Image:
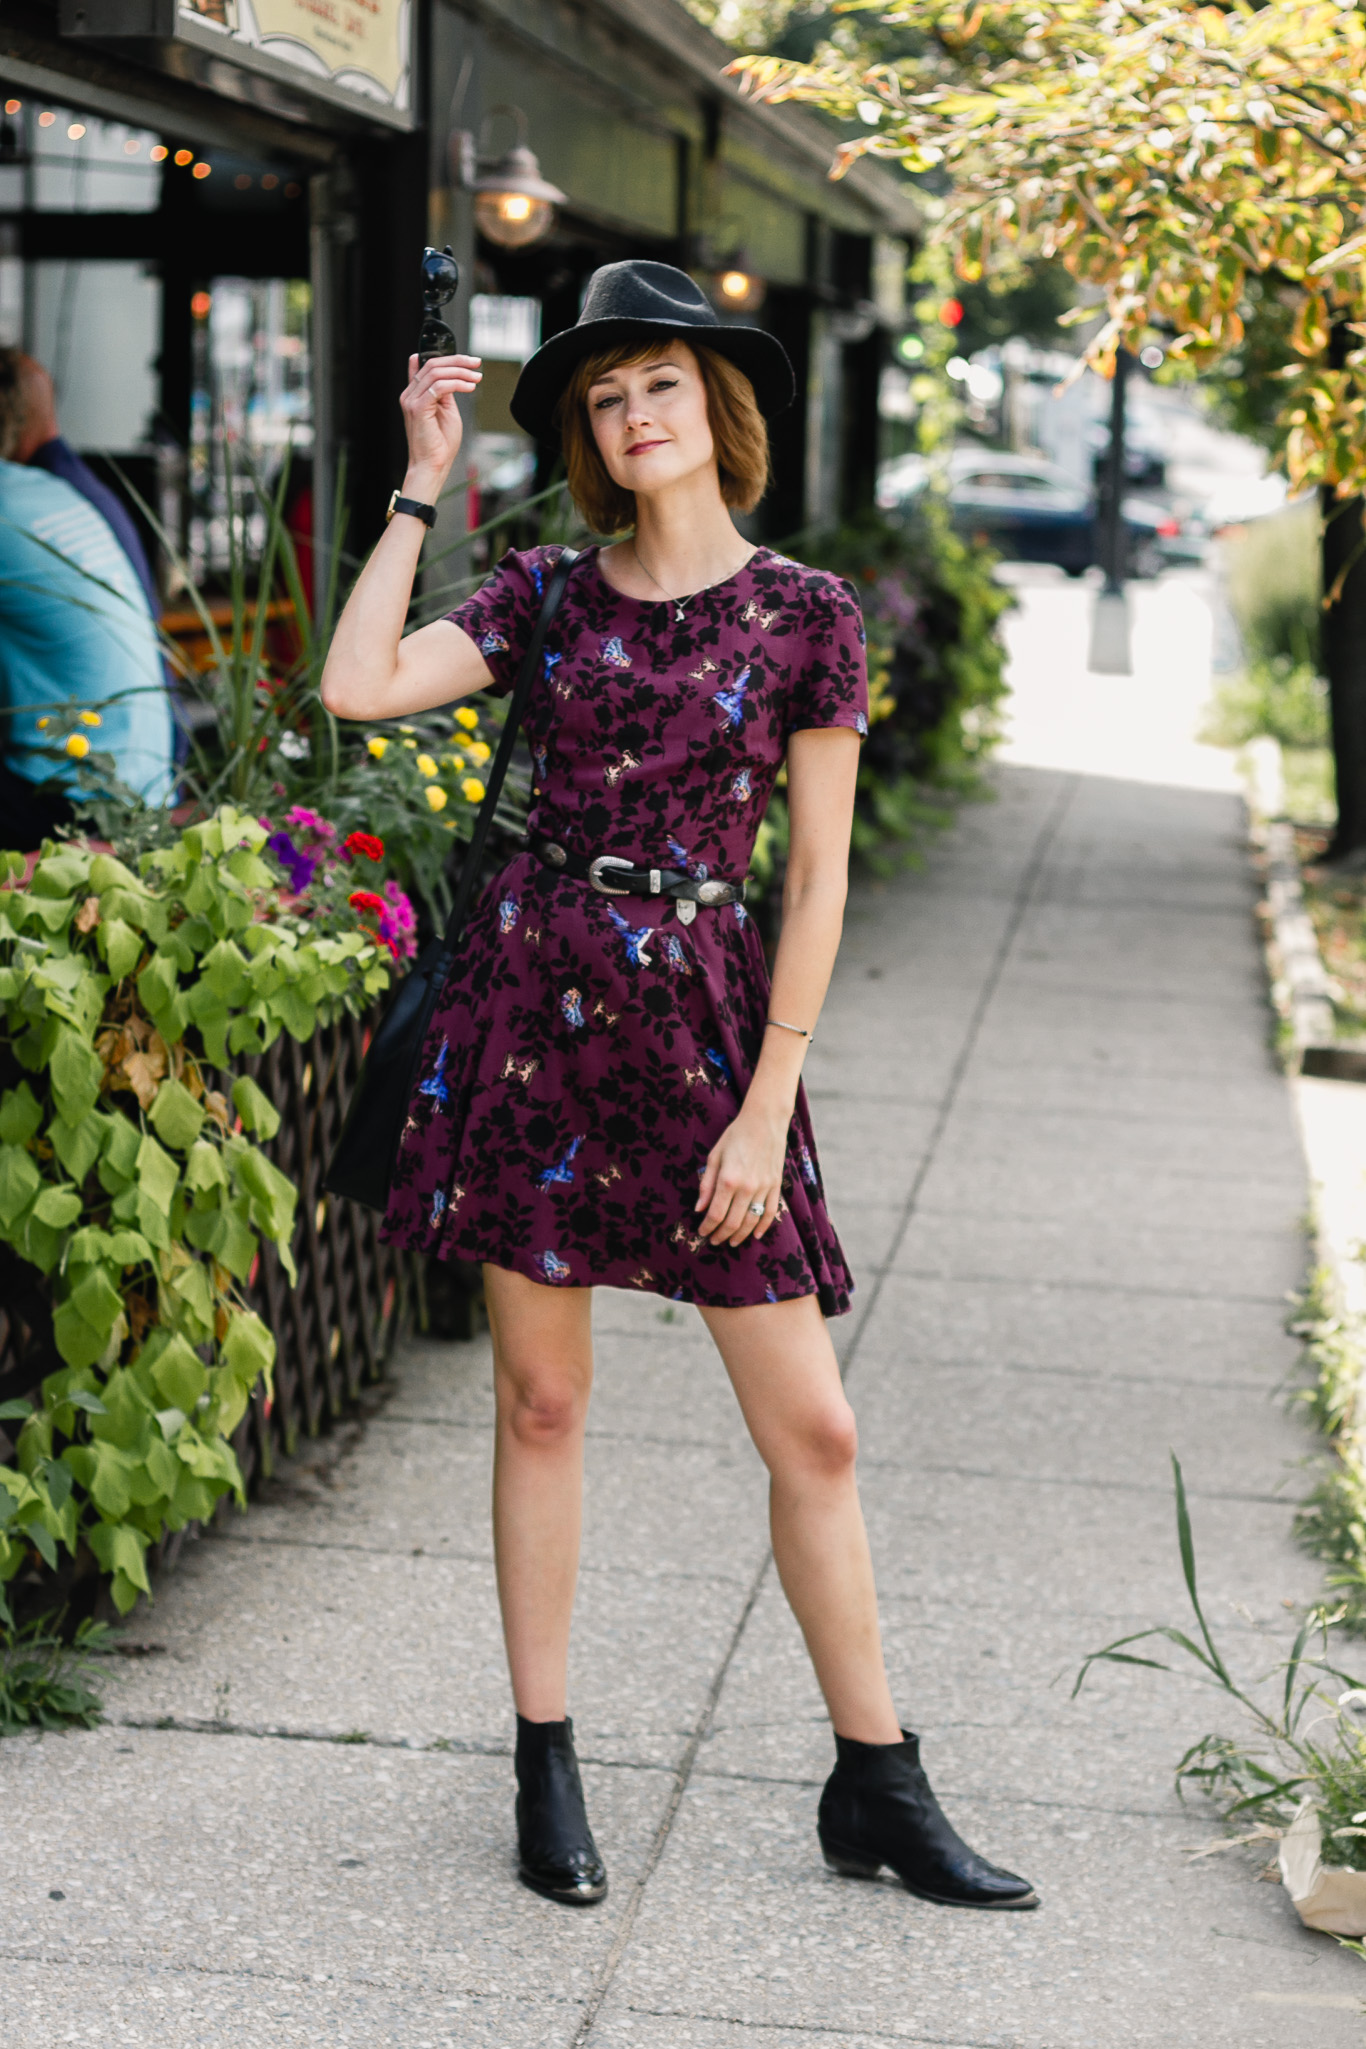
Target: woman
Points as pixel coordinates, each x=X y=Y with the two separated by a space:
x=611 y=1093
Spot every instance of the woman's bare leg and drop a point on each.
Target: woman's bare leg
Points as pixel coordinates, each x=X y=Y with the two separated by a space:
x=786 y=1378
x=542 y=1377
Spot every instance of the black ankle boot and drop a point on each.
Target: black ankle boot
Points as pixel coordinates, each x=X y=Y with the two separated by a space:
x=878 y=1808
x=556 y=1852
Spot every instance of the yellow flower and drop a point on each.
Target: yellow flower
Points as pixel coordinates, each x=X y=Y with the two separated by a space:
x=426 y=764
x=436 y=796
x=480 y=750
x=454 y=760
x=91 y=718
x=467 y=717
x=409 y=743
x=472 y=790
x=77 y=746
x=43 y=725
x=407 y=729
x=376 y=745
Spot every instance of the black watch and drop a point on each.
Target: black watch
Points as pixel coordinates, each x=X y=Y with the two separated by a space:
x=426 y=513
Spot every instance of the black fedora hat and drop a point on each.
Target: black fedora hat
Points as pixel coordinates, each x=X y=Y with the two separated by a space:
x=631 y=302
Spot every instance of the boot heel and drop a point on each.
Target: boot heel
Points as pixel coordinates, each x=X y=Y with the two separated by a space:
x=847 y=1863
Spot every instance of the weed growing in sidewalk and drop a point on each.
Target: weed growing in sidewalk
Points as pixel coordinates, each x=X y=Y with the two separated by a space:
x=1301 y=1737
x=45 y=1680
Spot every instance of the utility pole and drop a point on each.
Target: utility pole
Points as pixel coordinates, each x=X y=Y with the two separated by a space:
x=1110 y=655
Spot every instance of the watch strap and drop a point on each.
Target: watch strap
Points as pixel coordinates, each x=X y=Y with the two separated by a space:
x=426 y=513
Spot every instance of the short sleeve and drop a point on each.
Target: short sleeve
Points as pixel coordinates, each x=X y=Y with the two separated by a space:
x=830 y=688
x=501 y=615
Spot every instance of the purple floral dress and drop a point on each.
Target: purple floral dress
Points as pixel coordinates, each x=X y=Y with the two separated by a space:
x=588 y=1051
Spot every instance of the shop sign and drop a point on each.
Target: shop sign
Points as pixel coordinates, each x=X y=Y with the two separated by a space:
x=359 y=48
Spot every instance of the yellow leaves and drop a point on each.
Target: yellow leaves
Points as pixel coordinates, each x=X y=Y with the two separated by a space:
x=1309 y=335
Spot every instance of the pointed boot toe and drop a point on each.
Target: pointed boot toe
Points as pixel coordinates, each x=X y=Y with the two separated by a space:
x=878 y=1809
x=556 y=1854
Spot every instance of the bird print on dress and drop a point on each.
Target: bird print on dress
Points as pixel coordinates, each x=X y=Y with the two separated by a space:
x=732 y=701
x=570 y=1007
x=538 y=577
x=438 y=1206
x=509 y=911
x=740 y=788
x=532 y=934
x=608 y=1176
x=436 y=1086
x=721 y=1064
x=752 y=612
x=553 y=1267
x=604 y=1016
x=636 y=938
x=561 y=1174
x=694 y=1076
x=493 y=644
x=741 y=914
x=552 y=662
x=521 y=1070
x=808 y=1166
x=613 y=652
x=708 y=668
x=540 y=763
x=676 y=954
x=860 y=724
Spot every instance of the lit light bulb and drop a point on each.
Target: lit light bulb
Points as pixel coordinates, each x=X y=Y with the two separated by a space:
x=184 y=156
x=46 y=118
x=159 y=152
x=76 y=130
x=512 y=219
x=735 y=284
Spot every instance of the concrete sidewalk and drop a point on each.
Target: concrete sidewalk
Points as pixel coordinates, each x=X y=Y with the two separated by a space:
x=1066 y=1171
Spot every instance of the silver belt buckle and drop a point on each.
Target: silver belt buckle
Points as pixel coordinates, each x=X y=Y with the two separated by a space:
x=595 y=869
x=713 y=892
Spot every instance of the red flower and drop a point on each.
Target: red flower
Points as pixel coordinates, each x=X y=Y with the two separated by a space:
x=365 y=843
x=366 y=900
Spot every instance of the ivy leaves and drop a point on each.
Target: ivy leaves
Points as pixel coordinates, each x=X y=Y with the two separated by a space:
x=135 y=1183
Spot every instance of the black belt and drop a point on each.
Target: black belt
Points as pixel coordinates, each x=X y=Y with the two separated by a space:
x=628 y=880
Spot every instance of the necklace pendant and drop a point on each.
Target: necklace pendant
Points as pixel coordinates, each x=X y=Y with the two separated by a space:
x=678 y=611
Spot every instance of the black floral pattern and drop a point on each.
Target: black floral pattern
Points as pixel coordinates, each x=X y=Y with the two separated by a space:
x=588 y=1052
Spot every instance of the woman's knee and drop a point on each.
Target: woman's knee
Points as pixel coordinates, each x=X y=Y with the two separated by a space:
x=823 y=1444
x=542 y=1406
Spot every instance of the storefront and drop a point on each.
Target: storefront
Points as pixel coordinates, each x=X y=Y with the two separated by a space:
x=212 y=211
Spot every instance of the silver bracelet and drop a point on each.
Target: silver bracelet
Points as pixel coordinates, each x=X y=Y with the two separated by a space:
x=810 y=1037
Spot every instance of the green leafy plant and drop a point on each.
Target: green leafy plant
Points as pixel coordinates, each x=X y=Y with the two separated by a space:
x=131 y=1176
x=45 y=1679
x=1301 y=1736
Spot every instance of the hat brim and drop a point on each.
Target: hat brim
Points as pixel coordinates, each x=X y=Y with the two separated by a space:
x=544 y=376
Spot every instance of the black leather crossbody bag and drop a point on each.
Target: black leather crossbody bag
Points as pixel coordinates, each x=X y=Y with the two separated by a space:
x=362 y=1165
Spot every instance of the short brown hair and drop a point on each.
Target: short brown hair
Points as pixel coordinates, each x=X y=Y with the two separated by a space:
x=737 y=428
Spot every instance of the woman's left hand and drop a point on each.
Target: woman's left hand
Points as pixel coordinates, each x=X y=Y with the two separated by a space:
x=744 y=1166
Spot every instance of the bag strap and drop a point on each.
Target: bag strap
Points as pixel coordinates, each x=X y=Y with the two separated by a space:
x=521 y=690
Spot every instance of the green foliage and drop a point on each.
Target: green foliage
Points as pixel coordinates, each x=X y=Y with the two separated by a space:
x=1271 y=571
x=1176 y=157
x=130 y=1182
x=936 y=667
x=44 y=1679
x=1300 y=1735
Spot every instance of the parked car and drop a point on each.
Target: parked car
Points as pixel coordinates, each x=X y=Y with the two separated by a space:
x=1031 y=510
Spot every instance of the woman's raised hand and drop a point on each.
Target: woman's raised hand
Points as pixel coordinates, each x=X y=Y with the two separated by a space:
x=431 y=416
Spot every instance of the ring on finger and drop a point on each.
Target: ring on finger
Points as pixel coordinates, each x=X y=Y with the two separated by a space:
x=756 y=1209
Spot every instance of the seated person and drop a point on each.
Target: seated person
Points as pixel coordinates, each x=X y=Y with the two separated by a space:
x=75 y=629
x=41 y=443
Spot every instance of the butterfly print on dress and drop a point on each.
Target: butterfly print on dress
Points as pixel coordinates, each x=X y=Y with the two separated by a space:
x=509 y=910
x=740 y=788
x=612 y=651
x=569 y=1005
x=719 y=1061
x=493 y=644
x=438 y=1206
x=553 y=1267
